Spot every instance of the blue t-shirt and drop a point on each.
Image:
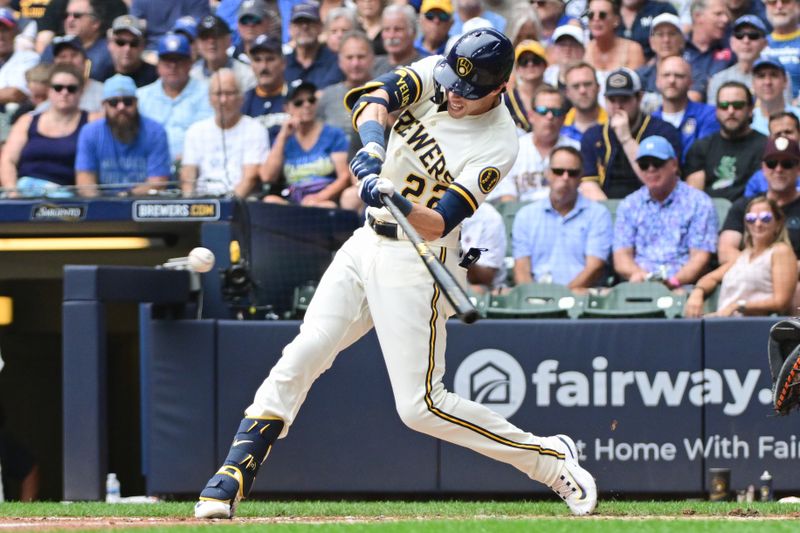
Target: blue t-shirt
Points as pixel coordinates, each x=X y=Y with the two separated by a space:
x=300 y=165
x=323 y=71
x=161 y=15
x=117 y=163
x=786 y=49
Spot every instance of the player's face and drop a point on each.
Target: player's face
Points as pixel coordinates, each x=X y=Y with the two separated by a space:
x=784 y=127
x=268 y=68
x=356 y=60
x=582 y=89
x=336 y=31
x=674 y=77
x=768 y=83
x=546 y=118
x=666 y=41
x=460 y=107
x=563 y=186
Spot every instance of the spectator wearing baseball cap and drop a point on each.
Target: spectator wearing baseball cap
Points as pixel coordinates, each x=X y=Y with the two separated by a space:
x=683 y=218
x=13 y=87
x=175 y=100
x=530 y=62
x=67 y=49
x=569 y=46
x=769 y=87
x=435 y=21
x=641 y=14
x=254 y=18
x=721 y=163
x=610 y=150
x=213 y=42
x=124 y=152
x=310 y=60
x=748 y=40
x=267 y=99
x=161 y=15
x=126 y=40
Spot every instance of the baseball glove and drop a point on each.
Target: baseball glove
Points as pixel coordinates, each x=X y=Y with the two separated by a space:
x=784 y=364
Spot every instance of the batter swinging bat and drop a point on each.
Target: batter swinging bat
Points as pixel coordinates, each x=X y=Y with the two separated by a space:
x=465 y=311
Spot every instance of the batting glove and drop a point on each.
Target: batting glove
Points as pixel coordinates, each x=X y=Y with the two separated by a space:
x=368 y=160
x=371 y=189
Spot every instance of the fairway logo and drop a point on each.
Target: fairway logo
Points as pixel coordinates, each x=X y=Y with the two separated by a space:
x=493 y=378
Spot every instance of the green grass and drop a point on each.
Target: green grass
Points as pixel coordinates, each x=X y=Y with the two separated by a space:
x=437 y=516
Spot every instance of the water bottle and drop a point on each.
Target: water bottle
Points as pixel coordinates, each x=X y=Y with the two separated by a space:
x=112 y=488
x=766 y=487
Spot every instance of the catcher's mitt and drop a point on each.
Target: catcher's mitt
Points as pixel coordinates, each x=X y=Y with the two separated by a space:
x=784 y=364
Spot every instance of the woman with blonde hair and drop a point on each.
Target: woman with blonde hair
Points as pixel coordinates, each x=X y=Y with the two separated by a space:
x=763 y=278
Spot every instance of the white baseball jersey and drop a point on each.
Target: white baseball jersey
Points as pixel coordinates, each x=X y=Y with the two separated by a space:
x=429 y=152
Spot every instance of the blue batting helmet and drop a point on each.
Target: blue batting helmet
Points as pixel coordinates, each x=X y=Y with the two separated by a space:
x=478 y=63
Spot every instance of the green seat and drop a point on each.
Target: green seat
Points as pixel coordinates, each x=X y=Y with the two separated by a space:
x=711 y=301
x=479 y=300
x=722 y=206
x=612 y=204
x=508 y=210
x=534 y=300
x=634 y=300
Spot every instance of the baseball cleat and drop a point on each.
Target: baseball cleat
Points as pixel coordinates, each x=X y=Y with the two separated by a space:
x=574 y=484
x=212 y=509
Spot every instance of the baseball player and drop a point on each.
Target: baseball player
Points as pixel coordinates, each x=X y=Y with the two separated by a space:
x=451 y=143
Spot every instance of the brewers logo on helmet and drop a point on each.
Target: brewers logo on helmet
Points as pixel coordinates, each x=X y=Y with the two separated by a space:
x=463 y=66
x=479 y=62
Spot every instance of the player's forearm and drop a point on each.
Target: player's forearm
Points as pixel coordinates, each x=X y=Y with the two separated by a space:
x=428 y=223
x=376 y=112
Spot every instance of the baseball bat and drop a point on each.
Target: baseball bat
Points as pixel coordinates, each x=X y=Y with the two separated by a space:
x=465 y=311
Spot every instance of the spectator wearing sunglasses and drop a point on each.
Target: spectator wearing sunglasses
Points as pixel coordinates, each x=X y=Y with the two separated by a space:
x=781 y=167
x=563 y=238
x=254 y=18
x=307 y=165
x=126 y=40
x=781 y=124
x=665 y=227
x=610 y=149
x=527 y=180
x=38 y=158
x=694 y=120
x=748 y=39
x=124 y=152
x=721 y=163
x=54 y=20
x=706 y=49
x=67 y=50
x=784 y=41
x=763 y=277
x=529 y=66
x=769 y=85
x=435 y=21
x=636 y=17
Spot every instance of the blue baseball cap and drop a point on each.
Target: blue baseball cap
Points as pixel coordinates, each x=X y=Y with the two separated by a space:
x=187 y=26
x=769 y=62
x=118 y=85
x=655 y=146
x=305 y=11
x=7 y=18
x=751 y=20
x=67 y=41
x=174 y=44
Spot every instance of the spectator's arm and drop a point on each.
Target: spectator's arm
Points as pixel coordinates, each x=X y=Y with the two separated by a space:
x=29 y=488
x=273 y=166
x=11 y=94
x=626 y=266
x=188 y=179
x=152 y=183
x=590 y=183
x=248 y=182
x=86 y=182
x=481 y=275
x=697 y=180
x=43 y=40
x=728 y=247
x=592 y=191
x=784 y=282
x=522 y=270
x=698 y=261
x=636 y=57
x=588 y=276
x=704 y=286
x=9 y=158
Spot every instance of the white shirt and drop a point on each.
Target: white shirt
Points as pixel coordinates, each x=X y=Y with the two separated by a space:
x=246 y=143
x=526 y=180
x=485 y=229
x=12 y=73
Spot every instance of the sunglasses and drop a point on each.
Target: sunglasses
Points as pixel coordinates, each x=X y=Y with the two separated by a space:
x=71 y=89
x=127 y=101
x=122 y=43
x=764 y=216
x=785 y=164
x=571 y=172
x=648 y=163
x=782 y=2
x=736 y=104
x=751 y=35
x=544 y=110
x=531 y=60
x=77 y=15
x=441 y=16
x=299 y=102
x=249 y=20
x=540 y=3
x=600 y=15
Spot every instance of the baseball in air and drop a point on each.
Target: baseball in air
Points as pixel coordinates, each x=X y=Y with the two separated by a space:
x=201 y=259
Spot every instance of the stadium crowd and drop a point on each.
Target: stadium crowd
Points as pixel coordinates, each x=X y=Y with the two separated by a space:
x=637 y=121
